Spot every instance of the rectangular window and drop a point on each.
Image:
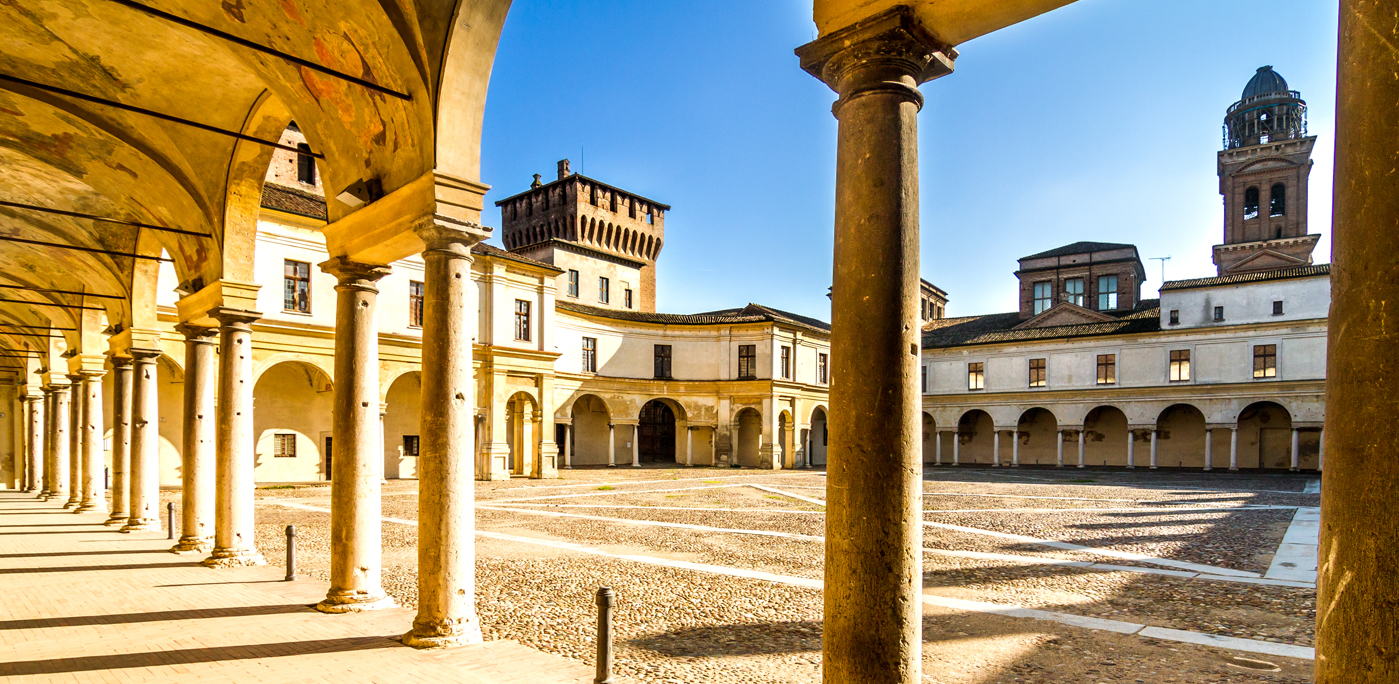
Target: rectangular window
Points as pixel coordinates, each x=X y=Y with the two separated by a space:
x=1073 y=291
x=415 y=304
x=572 y=283
x=626 y=297
x=747 y=361
x=1107 y=369
x=1175 y=316
x=521 y=320
x=822 y=369
x=284 y=446
x=305 y=164
x=1107 y=293
x=925 y=379
x=663 y=361
x=410 y=445
x=1277 y=308
x=1265 y=361
x=1180 y=365
x=296 y=279
x=976 y=376
x=604 y=290
x=590 y=355
x=786 y=363
x=1037 y=372
x=1044 y=297
x=1218 y=313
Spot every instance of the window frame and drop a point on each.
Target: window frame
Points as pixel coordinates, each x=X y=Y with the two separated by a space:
x=1108 y=363
x=305 y=164
x=1174 y=317
x=823 y=369
x=1218 y=314
x=417 y=290
x=1267 y=354
x=1045 y=303
x=1179 y=365
x=573 y=283
x=925 y=379
x=416 y=445
x=747 y=362
x=1252 y=203
x=976 y=376
x=604 y=290
x=522 y=320
x=626 y=297
x=1277 y=200
x=661 y=355
x=294 y=279
x=1082 y=294
x=786 y=363
x=284 y=445
x=1110 y=294
x=1277 y=307
x=1039 y=372
x=589 y=354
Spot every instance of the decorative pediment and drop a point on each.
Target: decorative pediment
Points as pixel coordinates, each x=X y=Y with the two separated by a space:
x=1266 y=164
x=1065 y=313
x=1265 y=260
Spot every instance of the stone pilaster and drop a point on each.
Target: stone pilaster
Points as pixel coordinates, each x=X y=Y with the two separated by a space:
x=873 y=576
x=143 y=481
x=199 y=439
x=446 y=509
x=356 y=558
x=121 y=440
x=233 y=473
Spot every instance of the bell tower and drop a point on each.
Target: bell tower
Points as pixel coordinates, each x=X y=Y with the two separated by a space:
x=1263 y=172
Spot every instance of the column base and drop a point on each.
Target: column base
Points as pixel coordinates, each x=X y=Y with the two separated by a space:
x=72 y=503
x=1208 y=469
x=457 y=635
x=1295 y=470
x=1233 y=470
x=1152 y=468
x=1131 y=467
x=89 y=507
x=192 y=545
x=141 y=525
x=233 y=558
x=1015 y=465
x=117 y=519
x=636 y=465
x=355 y=603
x=1081 y=465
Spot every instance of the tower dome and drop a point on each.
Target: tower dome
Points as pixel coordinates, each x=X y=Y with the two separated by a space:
x=1267 y=112
x=1264 y=82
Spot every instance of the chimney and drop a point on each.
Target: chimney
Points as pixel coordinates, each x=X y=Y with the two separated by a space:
x=536 y=182
x=563 y=169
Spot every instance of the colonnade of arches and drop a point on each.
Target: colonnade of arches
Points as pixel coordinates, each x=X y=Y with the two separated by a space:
x=1263 y=435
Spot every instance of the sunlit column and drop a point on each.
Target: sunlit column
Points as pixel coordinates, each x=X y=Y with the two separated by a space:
x=200 y=440
x=611 y=445
x=995 y=448
x=1131 y=449
x=1015 y=448
x=91 y=428
x=121 y=441
x=689 y=445
x=143 y=512
x=58 y=445
x=1209 y=449
x=234 y=543
x=34 y=405
x=1059 y=450
x=75 y=443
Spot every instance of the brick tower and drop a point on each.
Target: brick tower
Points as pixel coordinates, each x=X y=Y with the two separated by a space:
x=1263 y=173
x=596 y=232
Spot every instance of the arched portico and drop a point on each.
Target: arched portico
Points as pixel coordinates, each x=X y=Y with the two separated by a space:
x=1265 y=436
x=590 y=431
x=975 y=438
x=292 y=423
x=930 y=437
x=402 y=423
x=819 y=437
x=1105 y=438
x=1037 y=432
x=748 y=437
x=1179 y=437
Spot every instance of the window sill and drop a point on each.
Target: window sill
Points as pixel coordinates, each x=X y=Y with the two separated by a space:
x=297 y=313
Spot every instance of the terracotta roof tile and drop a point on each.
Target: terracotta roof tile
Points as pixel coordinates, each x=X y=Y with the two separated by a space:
x=1240 y=278
x=293 y=201
x=753 y=313
x=996 y=328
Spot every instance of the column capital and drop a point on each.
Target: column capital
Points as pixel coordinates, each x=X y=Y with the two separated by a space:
x=91 y=374
x=442 y=234
x=889 y=52
x=234 y=318
x=198 y=333
x=139 y=355
x=198 y=307
x=119 y=361
x=354 y=274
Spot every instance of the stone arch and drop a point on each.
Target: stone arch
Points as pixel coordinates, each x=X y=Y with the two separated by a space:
x=402 y=423
x=659 y=433
x=1180 y=436
x=314 y=364
x=1037 y=430
x=1265 y=436
x=590 y=418
x=1105 y=441
x=293 y=403
x=820 y=434
x=786 y=439
x=170 y=406
x=975 y=437
x=522 y=432
x=748 y=436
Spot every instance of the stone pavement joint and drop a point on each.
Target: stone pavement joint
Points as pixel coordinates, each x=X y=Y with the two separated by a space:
x=94 y=605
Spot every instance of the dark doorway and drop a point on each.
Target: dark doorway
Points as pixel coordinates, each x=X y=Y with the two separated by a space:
x=328 y=471
x=657 y=441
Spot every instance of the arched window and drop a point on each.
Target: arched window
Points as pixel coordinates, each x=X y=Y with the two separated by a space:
x=1251 y=203
x=305 y=165
x=1277 y=200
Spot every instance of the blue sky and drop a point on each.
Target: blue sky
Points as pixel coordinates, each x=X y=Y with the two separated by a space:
x=1099 y=121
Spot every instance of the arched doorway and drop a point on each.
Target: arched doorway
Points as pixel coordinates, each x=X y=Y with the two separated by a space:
x=1038 y=433
x=657 y=433
x=749 y=438
x=522 y=432
x=1180 y=437
x=818 y=438
x=1106 y=440
x=589 y=431
x=292 y=419
x=975 y=437
x=1265 y=436
x=785 y=443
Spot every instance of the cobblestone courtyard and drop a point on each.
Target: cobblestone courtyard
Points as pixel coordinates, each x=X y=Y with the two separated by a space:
x=718 y=571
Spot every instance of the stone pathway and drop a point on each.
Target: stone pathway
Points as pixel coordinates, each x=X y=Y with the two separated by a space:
x=82 y=602
x=1296 y=555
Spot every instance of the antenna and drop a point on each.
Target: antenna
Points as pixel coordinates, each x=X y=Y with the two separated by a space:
x=1163 y=261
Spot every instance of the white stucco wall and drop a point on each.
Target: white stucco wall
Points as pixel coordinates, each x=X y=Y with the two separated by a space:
x=1302 y=298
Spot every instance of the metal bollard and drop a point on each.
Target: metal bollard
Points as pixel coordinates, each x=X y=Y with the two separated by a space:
x=605 y=600
x=291 y=552
x=170 y=519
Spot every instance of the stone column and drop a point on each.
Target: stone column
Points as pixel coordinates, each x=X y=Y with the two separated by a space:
x=58 y=445
x=529 y=447
x=956 y=449
x=1059 y=450
x=200 y=439
x=568 y=445
x=689 y=445
x=1356 y=637
x=46 y=447
x=874 y=532
x=1321 y=450
x=234 y=544
x=1015 y=448
x=143 y=512
x=1153 y=448
x=995 y=448
x=1081 y=433
x=121 y=441
x=34 y=449
x=75 y=443
x=636 y=446
x=1131 y=448
x=1233 y=449
x=446 y=510
x=1209 y=449
x=1296 y=451
x=611 y=445
x=91 y=427
x=937 y=448
x=356 y=557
